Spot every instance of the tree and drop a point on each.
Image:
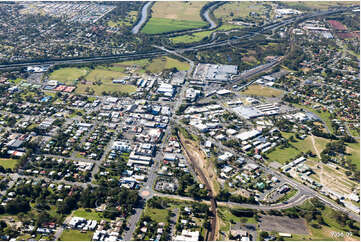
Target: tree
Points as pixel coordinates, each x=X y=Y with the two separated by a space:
x=263 y=235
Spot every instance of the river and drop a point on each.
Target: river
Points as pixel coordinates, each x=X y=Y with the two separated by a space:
x=143 y=18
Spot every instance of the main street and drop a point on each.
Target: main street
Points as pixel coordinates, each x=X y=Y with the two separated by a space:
x=147 y=191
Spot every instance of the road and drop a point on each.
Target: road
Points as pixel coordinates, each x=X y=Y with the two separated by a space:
x=152 y=174
x=159 y=53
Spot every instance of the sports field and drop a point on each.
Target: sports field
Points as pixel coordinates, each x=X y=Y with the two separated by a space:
x=68 y=75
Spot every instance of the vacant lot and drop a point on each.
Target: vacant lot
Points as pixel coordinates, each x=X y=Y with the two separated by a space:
x=68 y=75
x=283 y=224
x=258 y=90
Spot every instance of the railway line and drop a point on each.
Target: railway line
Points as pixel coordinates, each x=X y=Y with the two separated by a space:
x=206 y=182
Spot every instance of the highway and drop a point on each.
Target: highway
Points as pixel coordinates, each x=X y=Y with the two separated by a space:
x=160 y=52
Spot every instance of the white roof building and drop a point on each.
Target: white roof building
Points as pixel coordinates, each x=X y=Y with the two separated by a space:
x=248 y=134
x=187 y=236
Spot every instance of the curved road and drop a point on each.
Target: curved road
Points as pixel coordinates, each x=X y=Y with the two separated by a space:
x=143 y=18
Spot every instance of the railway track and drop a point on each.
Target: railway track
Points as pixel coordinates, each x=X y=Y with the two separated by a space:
x=206 y=182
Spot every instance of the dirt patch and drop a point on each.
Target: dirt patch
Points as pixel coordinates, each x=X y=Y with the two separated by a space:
x=283 y=224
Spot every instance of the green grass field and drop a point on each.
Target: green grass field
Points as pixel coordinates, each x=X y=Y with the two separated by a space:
x=190 y=38
x=88 y=215
x=323 y=5
x=178 y=10
x=238 y=9
x=68 y=75
x=258 y=90
x=283 y=155
x=8 y=163
x=198 y=36
x=160 y=64
x=76 y=235
x=326 y=232
x=107 y=73
x=288 y=196
x=164 y=25
x=354 y=150
x=158 y=215
x=226 y=217
x=103 y=75
x=107 y=86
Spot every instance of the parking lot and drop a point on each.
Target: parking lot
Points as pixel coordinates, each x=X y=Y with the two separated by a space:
x=283 y=224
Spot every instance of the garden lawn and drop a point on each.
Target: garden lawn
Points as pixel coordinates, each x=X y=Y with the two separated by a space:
x=164 y=25
x=68 y=75
x=8 y=163
x=76 y=235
